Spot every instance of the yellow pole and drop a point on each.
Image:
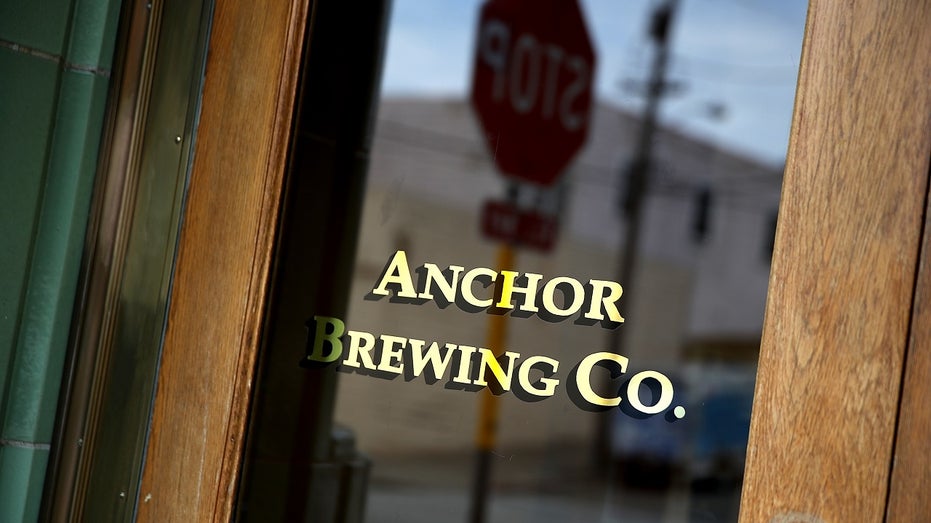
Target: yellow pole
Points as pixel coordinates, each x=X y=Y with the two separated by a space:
x=488 y=405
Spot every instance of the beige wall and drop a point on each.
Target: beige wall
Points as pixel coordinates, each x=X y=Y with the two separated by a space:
x=430 y=174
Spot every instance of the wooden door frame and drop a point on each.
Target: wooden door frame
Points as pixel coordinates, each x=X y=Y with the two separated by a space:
x=841 y=292
x=223 y=262
x=841 y=295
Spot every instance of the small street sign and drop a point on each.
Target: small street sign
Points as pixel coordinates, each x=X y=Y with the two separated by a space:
x=503 y=221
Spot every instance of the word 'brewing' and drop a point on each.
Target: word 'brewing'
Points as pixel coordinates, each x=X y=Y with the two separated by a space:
x=473 y=368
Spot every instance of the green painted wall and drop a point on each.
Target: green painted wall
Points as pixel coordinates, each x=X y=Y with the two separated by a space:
x=55 y=57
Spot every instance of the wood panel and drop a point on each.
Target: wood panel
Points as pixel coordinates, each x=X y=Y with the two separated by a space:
x=839 y=303
x=911 y=467
x=223 y=262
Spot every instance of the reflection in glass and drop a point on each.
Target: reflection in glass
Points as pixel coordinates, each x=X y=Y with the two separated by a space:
x=694 y=287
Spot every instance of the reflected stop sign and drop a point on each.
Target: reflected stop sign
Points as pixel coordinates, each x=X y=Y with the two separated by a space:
x=532 y=85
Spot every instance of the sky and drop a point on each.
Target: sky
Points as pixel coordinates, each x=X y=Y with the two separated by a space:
x=737 y=61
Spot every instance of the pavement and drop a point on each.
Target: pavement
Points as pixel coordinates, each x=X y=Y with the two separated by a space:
x=529 y=486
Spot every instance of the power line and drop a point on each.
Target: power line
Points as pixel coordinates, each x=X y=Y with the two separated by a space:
x=716 y=62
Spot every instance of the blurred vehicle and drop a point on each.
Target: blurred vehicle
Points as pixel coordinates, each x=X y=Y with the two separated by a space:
x=708 y=447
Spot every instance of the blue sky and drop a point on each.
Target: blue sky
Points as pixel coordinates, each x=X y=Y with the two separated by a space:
x=741 y=55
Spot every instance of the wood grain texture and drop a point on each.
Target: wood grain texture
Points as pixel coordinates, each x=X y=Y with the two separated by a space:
x=841 y=287
x=911 y=471
x=223 y=262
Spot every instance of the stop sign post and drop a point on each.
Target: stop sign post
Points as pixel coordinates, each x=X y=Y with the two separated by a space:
x=532 y=92
x=532 y=85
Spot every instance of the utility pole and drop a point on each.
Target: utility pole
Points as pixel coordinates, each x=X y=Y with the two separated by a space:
x=637 y=172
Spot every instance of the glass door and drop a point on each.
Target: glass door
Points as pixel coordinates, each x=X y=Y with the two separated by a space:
x=555 y=303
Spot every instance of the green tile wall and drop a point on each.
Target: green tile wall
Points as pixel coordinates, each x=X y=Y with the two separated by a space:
x=92 y=33
x=46 y=310
x=28 y=92
x=54 y=62
x=22 y=472
x=37 y=24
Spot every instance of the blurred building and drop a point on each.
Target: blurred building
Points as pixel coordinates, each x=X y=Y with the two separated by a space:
x=698 y=294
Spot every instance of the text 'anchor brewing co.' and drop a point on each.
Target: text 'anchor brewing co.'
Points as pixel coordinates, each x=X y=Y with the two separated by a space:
x=472 y=367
